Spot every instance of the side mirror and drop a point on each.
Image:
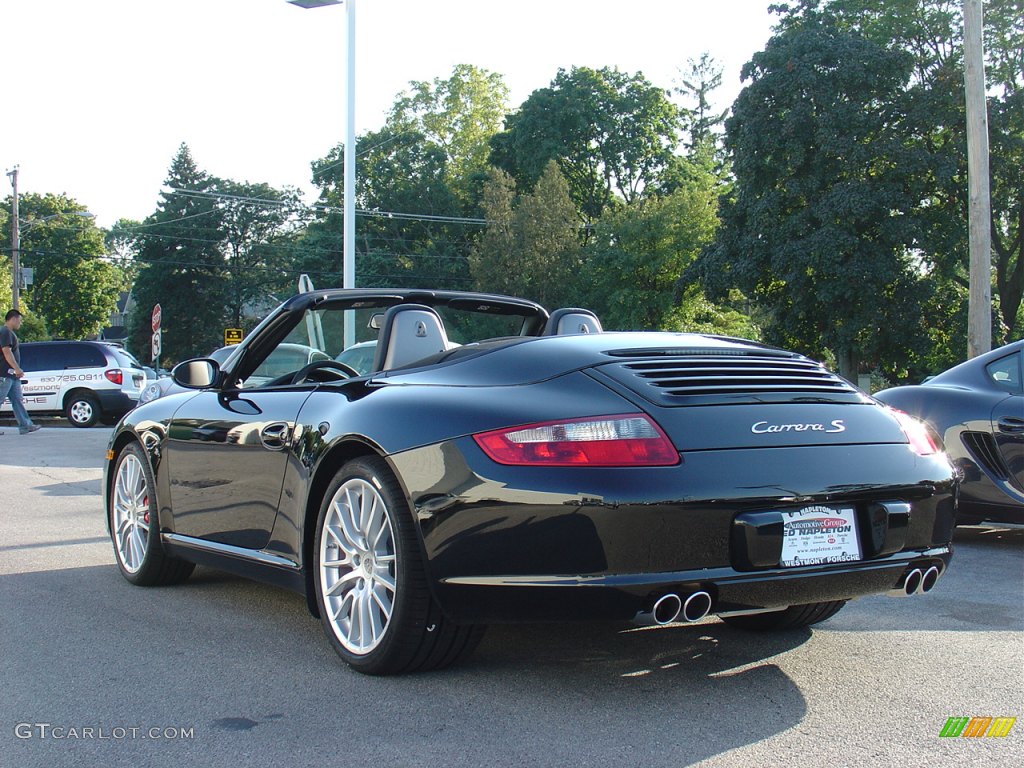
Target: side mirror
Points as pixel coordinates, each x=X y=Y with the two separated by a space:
x=196 y=374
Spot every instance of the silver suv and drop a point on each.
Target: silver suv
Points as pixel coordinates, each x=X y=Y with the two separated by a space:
x=86 y=381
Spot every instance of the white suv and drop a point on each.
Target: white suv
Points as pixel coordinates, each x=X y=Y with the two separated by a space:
x=87 y=381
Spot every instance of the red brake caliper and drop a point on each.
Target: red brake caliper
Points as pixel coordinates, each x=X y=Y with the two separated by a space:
x=145 y=517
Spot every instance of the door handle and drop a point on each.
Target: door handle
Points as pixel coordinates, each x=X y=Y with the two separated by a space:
x=1011 y=425
x=274 y=436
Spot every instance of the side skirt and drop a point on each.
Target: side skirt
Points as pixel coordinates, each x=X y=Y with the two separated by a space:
x=248 y=563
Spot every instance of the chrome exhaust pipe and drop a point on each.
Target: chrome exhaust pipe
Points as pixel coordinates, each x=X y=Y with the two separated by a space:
x=666 y=609
x=913 y=582
x=908 y=585
x=928 y=580
x=697 y=606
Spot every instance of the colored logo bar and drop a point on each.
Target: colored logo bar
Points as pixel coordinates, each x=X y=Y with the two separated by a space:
x=977 y=727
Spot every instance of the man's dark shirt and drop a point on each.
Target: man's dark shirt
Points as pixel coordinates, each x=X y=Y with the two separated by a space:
x=8 y=339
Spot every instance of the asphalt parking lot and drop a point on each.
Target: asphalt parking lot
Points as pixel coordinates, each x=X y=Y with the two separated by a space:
x=220 y=671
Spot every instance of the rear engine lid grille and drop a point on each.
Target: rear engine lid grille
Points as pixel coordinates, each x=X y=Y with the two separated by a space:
x=728 y=379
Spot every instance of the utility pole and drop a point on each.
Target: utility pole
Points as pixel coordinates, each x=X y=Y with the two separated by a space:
x=15 y=243
x=979 y=312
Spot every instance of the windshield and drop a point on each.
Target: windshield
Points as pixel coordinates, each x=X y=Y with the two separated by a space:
x=316 y=339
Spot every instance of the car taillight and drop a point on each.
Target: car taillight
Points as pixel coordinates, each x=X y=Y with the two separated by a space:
x=918 y=433
x=626 y=440
x=114 y=375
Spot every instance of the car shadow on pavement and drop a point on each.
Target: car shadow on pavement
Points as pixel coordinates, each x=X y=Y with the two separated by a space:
x=227 y=650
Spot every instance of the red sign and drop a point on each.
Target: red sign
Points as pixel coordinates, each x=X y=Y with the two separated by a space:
x=156 y=318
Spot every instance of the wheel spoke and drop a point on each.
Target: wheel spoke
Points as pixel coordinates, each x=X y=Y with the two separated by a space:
x=348 y=530
x=347 y=579
x=382 y=599
x=341 y=540
x=343 y=604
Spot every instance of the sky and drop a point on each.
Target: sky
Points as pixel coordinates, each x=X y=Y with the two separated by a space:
x=105 y=91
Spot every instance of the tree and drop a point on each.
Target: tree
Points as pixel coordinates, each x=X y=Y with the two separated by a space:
x=458 y=115
x=638 y=254
x=611 y=133
x=257 y=226
x=702 y=77
x=494 y=261
x=409 y=225
x=531 y=247
x=181 y=267
x=216 y=253
x=933 y=103
x=74 y=289
x=820 y=228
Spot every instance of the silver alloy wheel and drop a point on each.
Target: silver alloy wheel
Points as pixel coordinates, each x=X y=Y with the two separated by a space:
x=81 y=411
x=131 y=513
x=358 y=566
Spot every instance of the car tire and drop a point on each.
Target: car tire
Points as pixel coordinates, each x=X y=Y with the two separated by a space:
x=371 y=586
x=134 y=525
x=791 y=618
x=82 y=410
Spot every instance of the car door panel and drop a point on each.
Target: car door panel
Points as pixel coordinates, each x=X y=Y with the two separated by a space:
x=228 y=453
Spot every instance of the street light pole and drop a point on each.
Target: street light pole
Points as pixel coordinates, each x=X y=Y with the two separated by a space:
x=348 y=277
x=15 y=244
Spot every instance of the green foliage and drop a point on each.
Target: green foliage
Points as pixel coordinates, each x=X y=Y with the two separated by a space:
x=612 y=134
x=932 y=103
x=216 y=253
x=417 y=179
x=74 y=290
x=458 y=116
x=181 y=267
x=821 y=224
x=405 y=235
x=701 y=77
x=531 y=247
x=638 y=253
x=80 y=298
x=257 y=229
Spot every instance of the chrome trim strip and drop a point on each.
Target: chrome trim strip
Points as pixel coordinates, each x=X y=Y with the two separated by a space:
x=228 y=549
x=720 y=576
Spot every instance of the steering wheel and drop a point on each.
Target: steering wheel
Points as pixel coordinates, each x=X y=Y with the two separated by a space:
x=337 y=370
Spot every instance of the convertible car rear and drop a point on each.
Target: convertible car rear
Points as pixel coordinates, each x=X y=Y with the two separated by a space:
x=500 y=464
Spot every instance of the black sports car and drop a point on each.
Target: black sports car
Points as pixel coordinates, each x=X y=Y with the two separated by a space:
x=978 y=409
x=500 y=464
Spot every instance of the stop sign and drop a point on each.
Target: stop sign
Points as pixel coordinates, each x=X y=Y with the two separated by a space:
x=156 y=318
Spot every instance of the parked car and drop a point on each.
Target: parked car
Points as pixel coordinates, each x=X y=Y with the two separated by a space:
x=977 y=408
x=359 y=356
x=86 y=381
x=489 y=469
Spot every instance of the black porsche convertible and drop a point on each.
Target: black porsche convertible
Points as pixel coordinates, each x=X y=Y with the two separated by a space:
x=500 y=463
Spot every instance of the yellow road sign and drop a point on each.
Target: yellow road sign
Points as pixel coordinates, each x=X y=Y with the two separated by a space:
x=232 y=336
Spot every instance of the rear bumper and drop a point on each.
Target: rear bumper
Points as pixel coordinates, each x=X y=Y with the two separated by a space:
x=514 y=543
x=623 y=596
x=115 y=403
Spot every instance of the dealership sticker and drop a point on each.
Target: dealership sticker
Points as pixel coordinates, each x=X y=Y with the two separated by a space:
x=819 y=534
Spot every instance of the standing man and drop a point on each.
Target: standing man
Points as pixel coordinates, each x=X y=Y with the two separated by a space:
x=11 y=373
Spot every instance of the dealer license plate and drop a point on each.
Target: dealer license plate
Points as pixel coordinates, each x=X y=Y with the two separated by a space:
x=819 y=534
